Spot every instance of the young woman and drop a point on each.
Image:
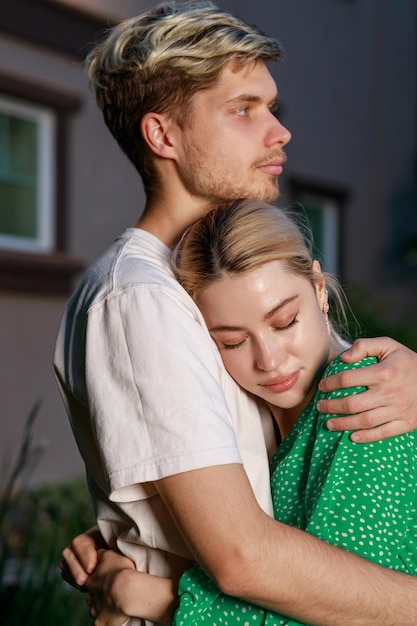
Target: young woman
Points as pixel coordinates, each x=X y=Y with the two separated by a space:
x=265 y=301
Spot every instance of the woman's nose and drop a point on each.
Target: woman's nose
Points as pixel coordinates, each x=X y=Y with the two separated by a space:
x=266 y=357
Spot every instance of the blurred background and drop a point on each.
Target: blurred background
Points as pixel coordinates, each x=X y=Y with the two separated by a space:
x=348 y=94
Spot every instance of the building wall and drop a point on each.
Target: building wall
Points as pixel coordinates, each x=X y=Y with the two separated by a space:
x=103 y=196
x=348 y=94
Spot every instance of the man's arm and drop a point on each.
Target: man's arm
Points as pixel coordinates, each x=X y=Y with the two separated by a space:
x=389 y=406
x=282 y=568
x=252 y=556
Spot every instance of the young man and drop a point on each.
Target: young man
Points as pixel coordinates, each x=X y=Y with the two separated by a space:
x=175 y=453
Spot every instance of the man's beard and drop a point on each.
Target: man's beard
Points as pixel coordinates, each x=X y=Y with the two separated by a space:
x=216 y=188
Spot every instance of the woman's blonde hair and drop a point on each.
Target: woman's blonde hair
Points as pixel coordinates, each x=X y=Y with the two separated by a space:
x=157 y=61
x=242 y=237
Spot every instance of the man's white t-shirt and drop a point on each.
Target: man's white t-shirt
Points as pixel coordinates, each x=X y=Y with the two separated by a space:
x=148 y=397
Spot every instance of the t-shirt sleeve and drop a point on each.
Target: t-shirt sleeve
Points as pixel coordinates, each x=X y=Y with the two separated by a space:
x=362 y=497
x=154 y=390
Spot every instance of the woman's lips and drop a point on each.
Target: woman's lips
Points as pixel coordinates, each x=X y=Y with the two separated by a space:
x=278 y=385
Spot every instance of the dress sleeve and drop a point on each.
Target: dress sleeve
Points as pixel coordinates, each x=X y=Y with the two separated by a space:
x=362 y=497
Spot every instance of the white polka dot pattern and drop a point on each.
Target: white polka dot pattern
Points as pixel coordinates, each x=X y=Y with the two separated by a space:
x=361 y=497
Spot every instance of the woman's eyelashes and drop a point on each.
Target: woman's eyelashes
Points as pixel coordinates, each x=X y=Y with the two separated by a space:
x=237 y=343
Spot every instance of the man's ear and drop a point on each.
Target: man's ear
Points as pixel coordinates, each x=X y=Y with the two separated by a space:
x=156 y=131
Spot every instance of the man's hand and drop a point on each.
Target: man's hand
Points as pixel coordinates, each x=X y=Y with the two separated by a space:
x=79 y=559
x=389 y=406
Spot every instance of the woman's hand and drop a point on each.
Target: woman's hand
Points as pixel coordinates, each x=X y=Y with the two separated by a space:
x=79 y=559
x=389 y=406
x=116 y=591
x=106 y=588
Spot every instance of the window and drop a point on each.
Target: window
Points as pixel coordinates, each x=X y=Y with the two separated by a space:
x=27 y=177
x=323 y=216
x=323 y=208
x=34 y=123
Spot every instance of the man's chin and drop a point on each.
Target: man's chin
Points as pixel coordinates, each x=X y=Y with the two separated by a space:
x=271 y=195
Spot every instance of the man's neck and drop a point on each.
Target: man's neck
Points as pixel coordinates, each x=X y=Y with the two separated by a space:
x=169 y=219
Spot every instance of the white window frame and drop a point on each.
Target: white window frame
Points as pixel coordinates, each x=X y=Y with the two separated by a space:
x=45 y=120
x=330 y=210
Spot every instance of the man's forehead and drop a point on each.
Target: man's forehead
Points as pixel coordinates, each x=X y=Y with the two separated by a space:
x=251 y=79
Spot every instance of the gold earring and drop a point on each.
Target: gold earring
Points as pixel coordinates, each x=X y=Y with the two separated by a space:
x=326 y=311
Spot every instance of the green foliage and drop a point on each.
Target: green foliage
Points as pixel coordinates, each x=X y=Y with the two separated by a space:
x=381 y=319
x=63 y=510
x=34 y=527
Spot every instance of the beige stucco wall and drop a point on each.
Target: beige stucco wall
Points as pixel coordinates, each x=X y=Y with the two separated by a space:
x=28 y=325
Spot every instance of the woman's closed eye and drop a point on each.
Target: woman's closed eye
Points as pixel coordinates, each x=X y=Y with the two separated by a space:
x=232 y=346
x=289 y=325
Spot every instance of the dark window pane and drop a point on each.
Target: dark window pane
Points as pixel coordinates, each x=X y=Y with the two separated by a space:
x=18 y=210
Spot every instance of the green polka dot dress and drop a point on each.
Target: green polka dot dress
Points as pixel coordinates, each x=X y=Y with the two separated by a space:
x=361 y=497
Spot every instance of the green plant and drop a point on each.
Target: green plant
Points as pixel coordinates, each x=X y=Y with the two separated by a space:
x=35 y=524
x=378 y=318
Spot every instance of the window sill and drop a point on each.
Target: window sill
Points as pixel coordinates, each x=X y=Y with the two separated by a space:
x=38 y=273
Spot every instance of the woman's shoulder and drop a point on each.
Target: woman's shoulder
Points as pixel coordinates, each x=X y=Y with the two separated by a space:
x=338 y=365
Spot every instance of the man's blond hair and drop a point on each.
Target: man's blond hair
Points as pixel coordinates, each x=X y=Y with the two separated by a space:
x=157 y=62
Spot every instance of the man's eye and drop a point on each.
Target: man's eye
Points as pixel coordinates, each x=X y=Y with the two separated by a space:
x=274 y=110
x=242 y=111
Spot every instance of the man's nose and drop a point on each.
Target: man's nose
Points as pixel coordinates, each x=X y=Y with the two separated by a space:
x=278 y=133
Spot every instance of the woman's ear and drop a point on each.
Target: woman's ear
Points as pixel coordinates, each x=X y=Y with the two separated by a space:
x=156 y=131
x=320 y=284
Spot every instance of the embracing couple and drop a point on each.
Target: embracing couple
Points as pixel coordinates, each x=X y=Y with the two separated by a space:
x=182 y=373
